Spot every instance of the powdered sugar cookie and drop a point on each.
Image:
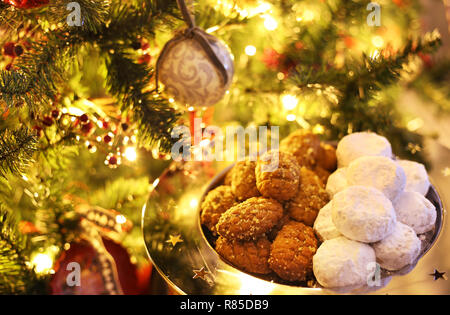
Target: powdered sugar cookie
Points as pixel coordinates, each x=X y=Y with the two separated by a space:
x=379 y=172
x=415 y=210
x=360 y=144
x=363 y=214
x=399 y=249
x=341 y=262
x=324 y=226
x=337 y=181
x=416 y=176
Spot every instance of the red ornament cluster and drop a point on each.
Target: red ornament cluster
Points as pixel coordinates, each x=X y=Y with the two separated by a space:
x=12 y=50
x=26 y=4
x=110 y=136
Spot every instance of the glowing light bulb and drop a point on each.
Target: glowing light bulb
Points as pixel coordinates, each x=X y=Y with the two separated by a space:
x=250 y=50
x=42 y=263
x=120 y=219
x=270 y=23
x=193 y=203
x=263 y=7
x=75 y=111
x=130 y=154
x=291 y=117
x=289 y=101
x=378 y=41
x=308 y=15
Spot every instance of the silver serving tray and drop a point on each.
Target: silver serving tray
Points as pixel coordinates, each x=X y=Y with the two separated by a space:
x=173 y=209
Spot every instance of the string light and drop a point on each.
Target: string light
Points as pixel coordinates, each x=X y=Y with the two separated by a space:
x=250 y=50
x=42 y=263
x=308 y=15
x=270 y=23
x=378 y=41
x=193 y=203
x=289 y=101
x=290 y=117
x=75 y=111
x=130 y=154
x=120 y=219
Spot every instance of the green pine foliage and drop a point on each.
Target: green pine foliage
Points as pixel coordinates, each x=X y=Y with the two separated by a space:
x=16 y=274
x=16 y=150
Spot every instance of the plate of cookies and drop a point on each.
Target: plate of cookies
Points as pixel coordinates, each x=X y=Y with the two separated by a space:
x=308 y=218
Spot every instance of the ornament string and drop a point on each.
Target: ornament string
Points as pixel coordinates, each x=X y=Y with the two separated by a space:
x=95 y=223
x=197 y=34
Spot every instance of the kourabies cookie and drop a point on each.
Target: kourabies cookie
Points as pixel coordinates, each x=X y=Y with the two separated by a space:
x=416 y=176
x=363 y=214
x=416 y=211
x=341 y=262
x=324 y=226
x=399 y=249
x=379 y=172
x=337 y=181
x=359 y=144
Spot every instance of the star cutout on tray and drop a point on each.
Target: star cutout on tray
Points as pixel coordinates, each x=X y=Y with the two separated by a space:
x=438 y=275
x=174 y=240
x=446 y=171
x=201 y=273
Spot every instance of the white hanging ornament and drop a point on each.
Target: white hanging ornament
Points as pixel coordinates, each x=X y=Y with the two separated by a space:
x=196 y=68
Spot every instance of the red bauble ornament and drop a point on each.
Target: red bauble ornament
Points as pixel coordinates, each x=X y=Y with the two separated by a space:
x=124 y=126
x=272 y=58
x=112 y=160
x=105 y=124
x=91 y=281
x=26 y=4
x=47 y=121
x=8 y=49
x=107 y=139
x=55 y=113
x=38 y=130
x=84 y=118
x=88 y=129
x=18 y=50
x=145 y=59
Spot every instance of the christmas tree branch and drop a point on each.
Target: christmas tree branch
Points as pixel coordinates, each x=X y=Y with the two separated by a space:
x=127 y=81
x=16 y=150
x=93 y=14
x=16 y=277
x=41 y=70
